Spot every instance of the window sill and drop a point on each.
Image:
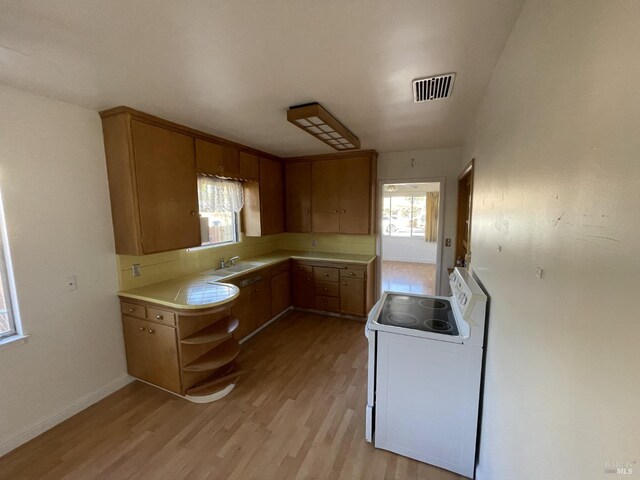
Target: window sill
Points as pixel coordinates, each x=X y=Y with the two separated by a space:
x=13 y=341
x=215 y=245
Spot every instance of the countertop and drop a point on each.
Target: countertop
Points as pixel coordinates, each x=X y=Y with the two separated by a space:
x=208 y=289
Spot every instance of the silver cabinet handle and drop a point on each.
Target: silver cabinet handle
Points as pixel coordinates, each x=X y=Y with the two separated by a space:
x=141 y=329
x=326 y=274
x=131 y=310
x=159 y=317
x=152 y=331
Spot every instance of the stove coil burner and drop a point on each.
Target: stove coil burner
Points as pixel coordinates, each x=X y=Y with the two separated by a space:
x=433 y=303
x=403 y=319
x=403 y=299
x=439 y=326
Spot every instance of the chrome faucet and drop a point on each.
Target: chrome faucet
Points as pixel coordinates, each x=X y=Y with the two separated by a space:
x=232 y=261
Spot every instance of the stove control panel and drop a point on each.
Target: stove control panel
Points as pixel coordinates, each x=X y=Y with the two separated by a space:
x=463 y=286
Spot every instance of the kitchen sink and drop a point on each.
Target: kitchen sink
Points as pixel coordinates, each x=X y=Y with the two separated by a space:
x=240 y=268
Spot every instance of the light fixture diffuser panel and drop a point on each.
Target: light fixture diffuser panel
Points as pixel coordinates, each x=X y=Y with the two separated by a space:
x=315 y=120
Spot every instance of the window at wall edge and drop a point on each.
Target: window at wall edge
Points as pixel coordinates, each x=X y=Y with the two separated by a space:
x=10 y=325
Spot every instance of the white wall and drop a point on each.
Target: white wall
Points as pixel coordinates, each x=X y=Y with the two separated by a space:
x=557 y=144
x=433 y=163
x=407 y=249
x=54 y=187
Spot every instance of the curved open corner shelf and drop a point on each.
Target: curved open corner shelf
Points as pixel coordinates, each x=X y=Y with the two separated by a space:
x=216 y=382
x=215 y=358
x=213 y=333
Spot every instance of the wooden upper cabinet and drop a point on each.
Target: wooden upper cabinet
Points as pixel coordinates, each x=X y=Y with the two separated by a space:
x=217 y=159
x=152 y=182
x=297 y=187
x=325 y=196
x=263 y=211
x=167 y=188
x=271 y=196
x=355 y=195
x=249 y=165
x=343 y=193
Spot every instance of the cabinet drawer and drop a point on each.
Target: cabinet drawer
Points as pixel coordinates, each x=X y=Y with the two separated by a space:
x=161 y=316
x=301 y=267
x=327 y=304
x=352 y=271
x=133 y=310
x=328 y=289
x=325 y=274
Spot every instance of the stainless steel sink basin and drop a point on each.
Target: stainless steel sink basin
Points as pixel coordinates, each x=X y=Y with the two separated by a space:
x=240 y=268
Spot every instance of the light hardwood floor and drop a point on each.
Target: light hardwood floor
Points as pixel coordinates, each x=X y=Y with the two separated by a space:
x=297 y=413
x=409 y=277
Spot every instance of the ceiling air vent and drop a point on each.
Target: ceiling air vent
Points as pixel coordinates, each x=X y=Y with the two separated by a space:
x=433 y=88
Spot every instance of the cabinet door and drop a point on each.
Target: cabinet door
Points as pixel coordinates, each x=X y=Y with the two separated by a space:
x=271 y=197
x=152 y=352
x=249 y=166
x=230 y=162
x=297 y=188
x=355 y=195
x=352 y=295
x=326 y=179
x=167 y=188
x=136 y=346
x=261 y=301
x=163 y=369
x=209 y=157
x=280 y=293
x=302 y=286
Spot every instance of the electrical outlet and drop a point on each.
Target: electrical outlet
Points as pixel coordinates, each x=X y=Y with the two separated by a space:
x=447 y=242
x=540 y=273
x=314 y=243
x=135 y=270
x=72 y=283
x=499 y=248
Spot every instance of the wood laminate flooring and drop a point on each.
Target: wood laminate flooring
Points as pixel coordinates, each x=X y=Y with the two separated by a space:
x=409 y=277
x=298 y=413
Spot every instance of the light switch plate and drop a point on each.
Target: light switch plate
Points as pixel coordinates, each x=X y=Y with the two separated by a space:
x=135 y=270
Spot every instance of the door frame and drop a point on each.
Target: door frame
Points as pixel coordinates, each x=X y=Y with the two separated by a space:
x=379 y=207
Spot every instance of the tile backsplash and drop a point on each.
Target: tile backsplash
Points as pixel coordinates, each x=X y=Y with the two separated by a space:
x=163 y=266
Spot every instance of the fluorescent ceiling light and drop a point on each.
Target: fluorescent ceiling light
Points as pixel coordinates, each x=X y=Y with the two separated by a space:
x=315 y=120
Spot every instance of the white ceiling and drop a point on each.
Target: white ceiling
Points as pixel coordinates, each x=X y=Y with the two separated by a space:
x=232 y=67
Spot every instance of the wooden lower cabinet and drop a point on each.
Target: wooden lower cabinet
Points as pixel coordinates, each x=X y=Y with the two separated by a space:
x=352 y=296
x=302 y=285
x=280 y=292
x=189 y=353
x=334 y=287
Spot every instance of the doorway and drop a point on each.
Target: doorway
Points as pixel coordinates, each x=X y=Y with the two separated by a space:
x=410 y=217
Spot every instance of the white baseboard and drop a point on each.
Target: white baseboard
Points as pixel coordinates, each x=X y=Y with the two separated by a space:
x=51 y=421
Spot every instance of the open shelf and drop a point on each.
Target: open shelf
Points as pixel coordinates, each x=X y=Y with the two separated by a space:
x=215 y=358
x=220 y=380
x=213 y=333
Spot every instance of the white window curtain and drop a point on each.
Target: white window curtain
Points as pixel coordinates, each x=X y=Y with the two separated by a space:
x=219 y=196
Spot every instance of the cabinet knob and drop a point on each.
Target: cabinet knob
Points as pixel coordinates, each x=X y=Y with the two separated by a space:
x=326 y=289
x=159 y=317
x=151 y=331
x=326 y=303
x=326 y=274
x=351 y=273
x=335 y=211
x=257 y=290
x=193 y=212
x=131 y=310
x=343 y=211
x=307 y=211
x=141 y=329
x=345 y=283
x=301 y=268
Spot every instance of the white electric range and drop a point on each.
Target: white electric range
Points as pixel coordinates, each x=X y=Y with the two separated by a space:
x=425 y=364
